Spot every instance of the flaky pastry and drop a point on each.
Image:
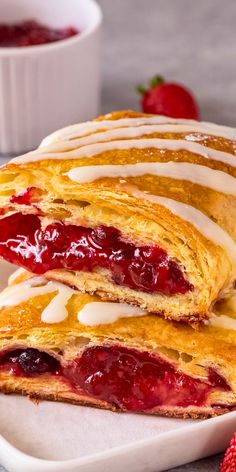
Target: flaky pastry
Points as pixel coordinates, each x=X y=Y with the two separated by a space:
x=59 y=344
x=131 y=207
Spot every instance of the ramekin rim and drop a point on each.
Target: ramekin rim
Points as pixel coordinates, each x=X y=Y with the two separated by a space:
x=63 y=43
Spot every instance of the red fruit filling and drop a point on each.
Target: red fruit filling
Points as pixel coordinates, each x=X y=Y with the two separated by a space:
x=32 y=33
x=217 y=380
x=28 y=362
x=129 y=379
x=26 y=197
x=58 y=246
x=136 y=381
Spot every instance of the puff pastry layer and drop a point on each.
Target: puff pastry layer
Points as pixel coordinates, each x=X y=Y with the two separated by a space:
x=165 y=187
x=141 y=363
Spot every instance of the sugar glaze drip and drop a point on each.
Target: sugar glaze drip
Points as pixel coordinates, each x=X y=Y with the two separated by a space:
x=197 y=174
x=222 y=321
x=56 y=309
x=95 y=313
x=201 y=222
x=61 y=144
x=91 y=314
x=92 y=150
x=15 y=275
x=81 y=129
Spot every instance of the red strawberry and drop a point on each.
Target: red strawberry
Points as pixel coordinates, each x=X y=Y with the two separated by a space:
x=229 y=462
x=165 y=98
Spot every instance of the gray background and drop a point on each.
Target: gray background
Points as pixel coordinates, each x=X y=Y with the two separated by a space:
x=192 y=42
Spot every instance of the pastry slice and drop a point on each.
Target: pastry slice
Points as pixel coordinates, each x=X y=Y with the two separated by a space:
x=134 y=208
x=59 y=344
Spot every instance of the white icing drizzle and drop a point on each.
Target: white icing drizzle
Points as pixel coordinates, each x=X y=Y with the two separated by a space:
x=21 y=292
x=122 y=133
x=222 y=321
x=204 y=224
x=162 y=144
x=96 y=313
x=91 y=314
x=197 y=174
x=201 y=222
x=81 y=129
x=15 y=275
x=56 y=309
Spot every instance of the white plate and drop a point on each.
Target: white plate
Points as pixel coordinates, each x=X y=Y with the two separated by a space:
x=54 y=437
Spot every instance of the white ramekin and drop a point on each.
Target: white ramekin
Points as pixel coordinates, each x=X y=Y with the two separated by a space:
x=43 y=88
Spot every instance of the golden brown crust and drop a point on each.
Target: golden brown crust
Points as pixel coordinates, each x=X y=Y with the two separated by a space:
x=151 y=331
x=107 y=201
x=193 y=352
x=97 y=283
x=66 y=397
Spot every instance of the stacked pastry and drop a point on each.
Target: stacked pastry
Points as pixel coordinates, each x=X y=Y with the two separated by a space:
x=124 y=229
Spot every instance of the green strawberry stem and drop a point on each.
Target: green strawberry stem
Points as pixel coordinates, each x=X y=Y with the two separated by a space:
x=156 y=80
x=142 y=90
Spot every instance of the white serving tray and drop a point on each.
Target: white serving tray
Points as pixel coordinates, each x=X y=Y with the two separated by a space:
x=54 y=437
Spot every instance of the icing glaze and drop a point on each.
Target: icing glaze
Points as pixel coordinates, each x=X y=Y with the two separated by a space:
x=54 y=312
x=15 y=275
x=23 y=291
x=81 y=129
x=201 y=222
x=222 y=321
x=91 y=314
x=197 y=174
x=151 y=143
x=124 y=133
x=96 y=313
x=132 y=128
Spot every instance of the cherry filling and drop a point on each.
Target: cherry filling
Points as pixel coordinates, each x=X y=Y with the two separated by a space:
x=26 y=197
x=217 y=380
x=28 y=362
x=129 y=379
x=136 y=381
x=32 y=33
x=58 y=246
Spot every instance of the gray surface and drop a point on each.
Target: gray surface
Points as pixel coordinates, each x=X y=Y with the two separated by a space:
x=187 y=41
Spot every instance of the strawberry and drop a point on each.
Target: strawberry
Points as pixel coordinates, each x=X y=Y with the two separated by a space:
x=170 y=99
x=229 y=462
